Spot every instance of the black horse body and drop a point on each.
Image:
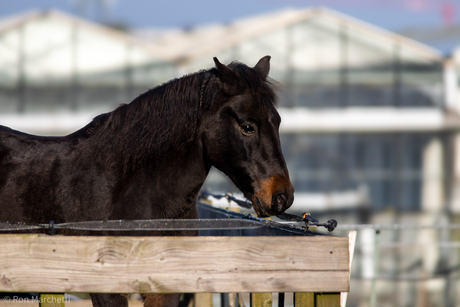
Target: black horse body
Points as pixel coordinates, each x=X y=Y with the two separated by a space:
x=148 y=159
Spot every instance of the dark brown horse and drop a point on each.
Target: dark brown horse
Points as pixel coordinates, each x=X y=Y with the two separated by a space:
x=148 y=159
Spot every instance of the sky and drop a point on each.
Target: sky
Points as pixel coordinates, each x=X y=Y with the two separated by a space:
x=393 y=15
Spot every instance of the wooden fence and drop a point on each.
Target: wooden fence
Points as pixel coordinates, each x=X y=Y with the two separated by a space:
x=312 y=265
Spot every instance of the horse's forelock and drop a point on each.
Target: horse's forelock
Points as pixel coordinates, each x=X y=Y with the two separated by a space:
x=263 y=90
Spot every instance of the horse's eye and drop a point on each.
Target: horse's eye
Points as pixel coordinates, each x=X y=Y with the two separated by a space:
x=247 y=130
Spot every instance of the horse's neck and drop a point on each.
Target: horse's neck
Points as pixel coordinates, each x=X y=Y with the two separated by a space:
x=170 y=185
x=169 y=157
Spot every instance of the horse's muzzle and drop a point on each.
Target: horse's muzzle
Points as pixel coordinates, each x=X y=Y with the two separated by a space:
x=275 y=196
x=281 y=202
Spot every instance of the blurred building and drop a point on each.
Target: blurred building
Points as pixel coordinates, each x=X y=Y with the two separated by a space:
x=367 y=114
x=58 y=71
x=369 y=118
x=365 y=111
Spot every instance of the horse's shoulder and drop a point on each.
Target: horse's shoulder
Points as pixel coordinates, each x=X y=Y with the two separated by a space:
x=8 y=138
x=5 y=130
x=10 y=135
x=7 y=134
x=14 y=140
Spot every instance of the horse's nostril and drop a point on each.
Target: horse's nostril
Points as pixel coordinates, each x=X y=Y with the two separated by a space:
x=280 y=201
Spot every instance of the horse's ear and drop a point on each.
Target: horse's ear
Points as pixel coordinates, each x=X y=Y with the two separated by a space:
x=226 y=75
x=263 y=67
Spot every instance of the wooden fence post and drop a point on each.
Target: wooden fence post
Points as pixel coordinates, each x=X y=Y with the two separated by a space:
x=327 y=299
x=306 y=299
x=149 y=264
x=232 y=300
x=52 y=300
x=316 y=299
x=203 y=299
x=261 y=300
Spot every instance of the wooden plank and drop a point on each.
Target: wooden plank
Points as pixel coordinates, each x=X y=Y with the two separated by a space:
x=41 y=263
x=203 y=300
x=351 y=250
x=232 y=300
x=327 y=300
x=304 y=300
x=317 y=300
x=261 y=300
x=52 y=300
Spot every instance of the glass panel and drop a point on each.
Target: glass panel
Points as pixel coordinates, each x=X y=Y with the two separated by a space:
x=47 y=52
x=52 y=65
x=47 y=65
x=274 y=44
x=101 y=68
x=370 y=73
x=389 y=165
x=147 y=70
x=421 y=80
x=9 y=72
x=316 y=62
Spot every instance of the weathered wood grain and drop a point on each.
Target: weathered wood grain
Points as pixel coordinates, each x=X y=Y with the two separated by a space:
x=261 y=300
x=327 y=299
x=304 y=299
x=52 y=300
x=41 y=263
x=203 y=300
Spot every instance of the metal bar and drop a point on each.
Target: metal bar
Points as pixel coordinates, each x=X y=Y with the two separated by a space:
x=397 y=75
x=223 y=300
x=397 y=226
x=269 y=227
x=160 y=225
x=74 y=72
x=281 y=298
x=139 y=225
x=343 y=38
x=13 y=226
x=21 y=84
x=227 y=220
x=373 y=299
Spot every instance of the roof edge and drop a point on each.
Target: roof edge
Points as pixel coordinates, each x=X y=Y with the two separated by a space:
x=20 y=19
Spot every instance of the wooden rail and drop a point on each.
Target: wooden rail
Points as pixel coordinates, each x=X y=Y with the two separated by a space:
x=42 y=263
x=273 y=258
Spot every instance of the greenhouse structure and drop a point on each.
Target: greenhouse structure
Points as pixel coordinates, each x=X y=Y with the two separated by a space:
x=370 y=121
x=363 y=110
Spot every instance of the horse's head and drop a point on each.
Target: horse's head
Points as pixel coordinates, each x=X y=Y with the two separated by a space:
x=241 y=138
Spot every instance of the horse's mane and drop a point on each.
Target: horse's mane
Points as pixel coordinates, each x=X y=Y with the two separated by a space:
x=262 y=90
x=165 y=118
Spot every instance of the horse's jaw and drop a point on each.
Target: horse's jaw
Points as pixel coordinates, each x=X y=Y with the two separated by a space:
x=258 y=207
